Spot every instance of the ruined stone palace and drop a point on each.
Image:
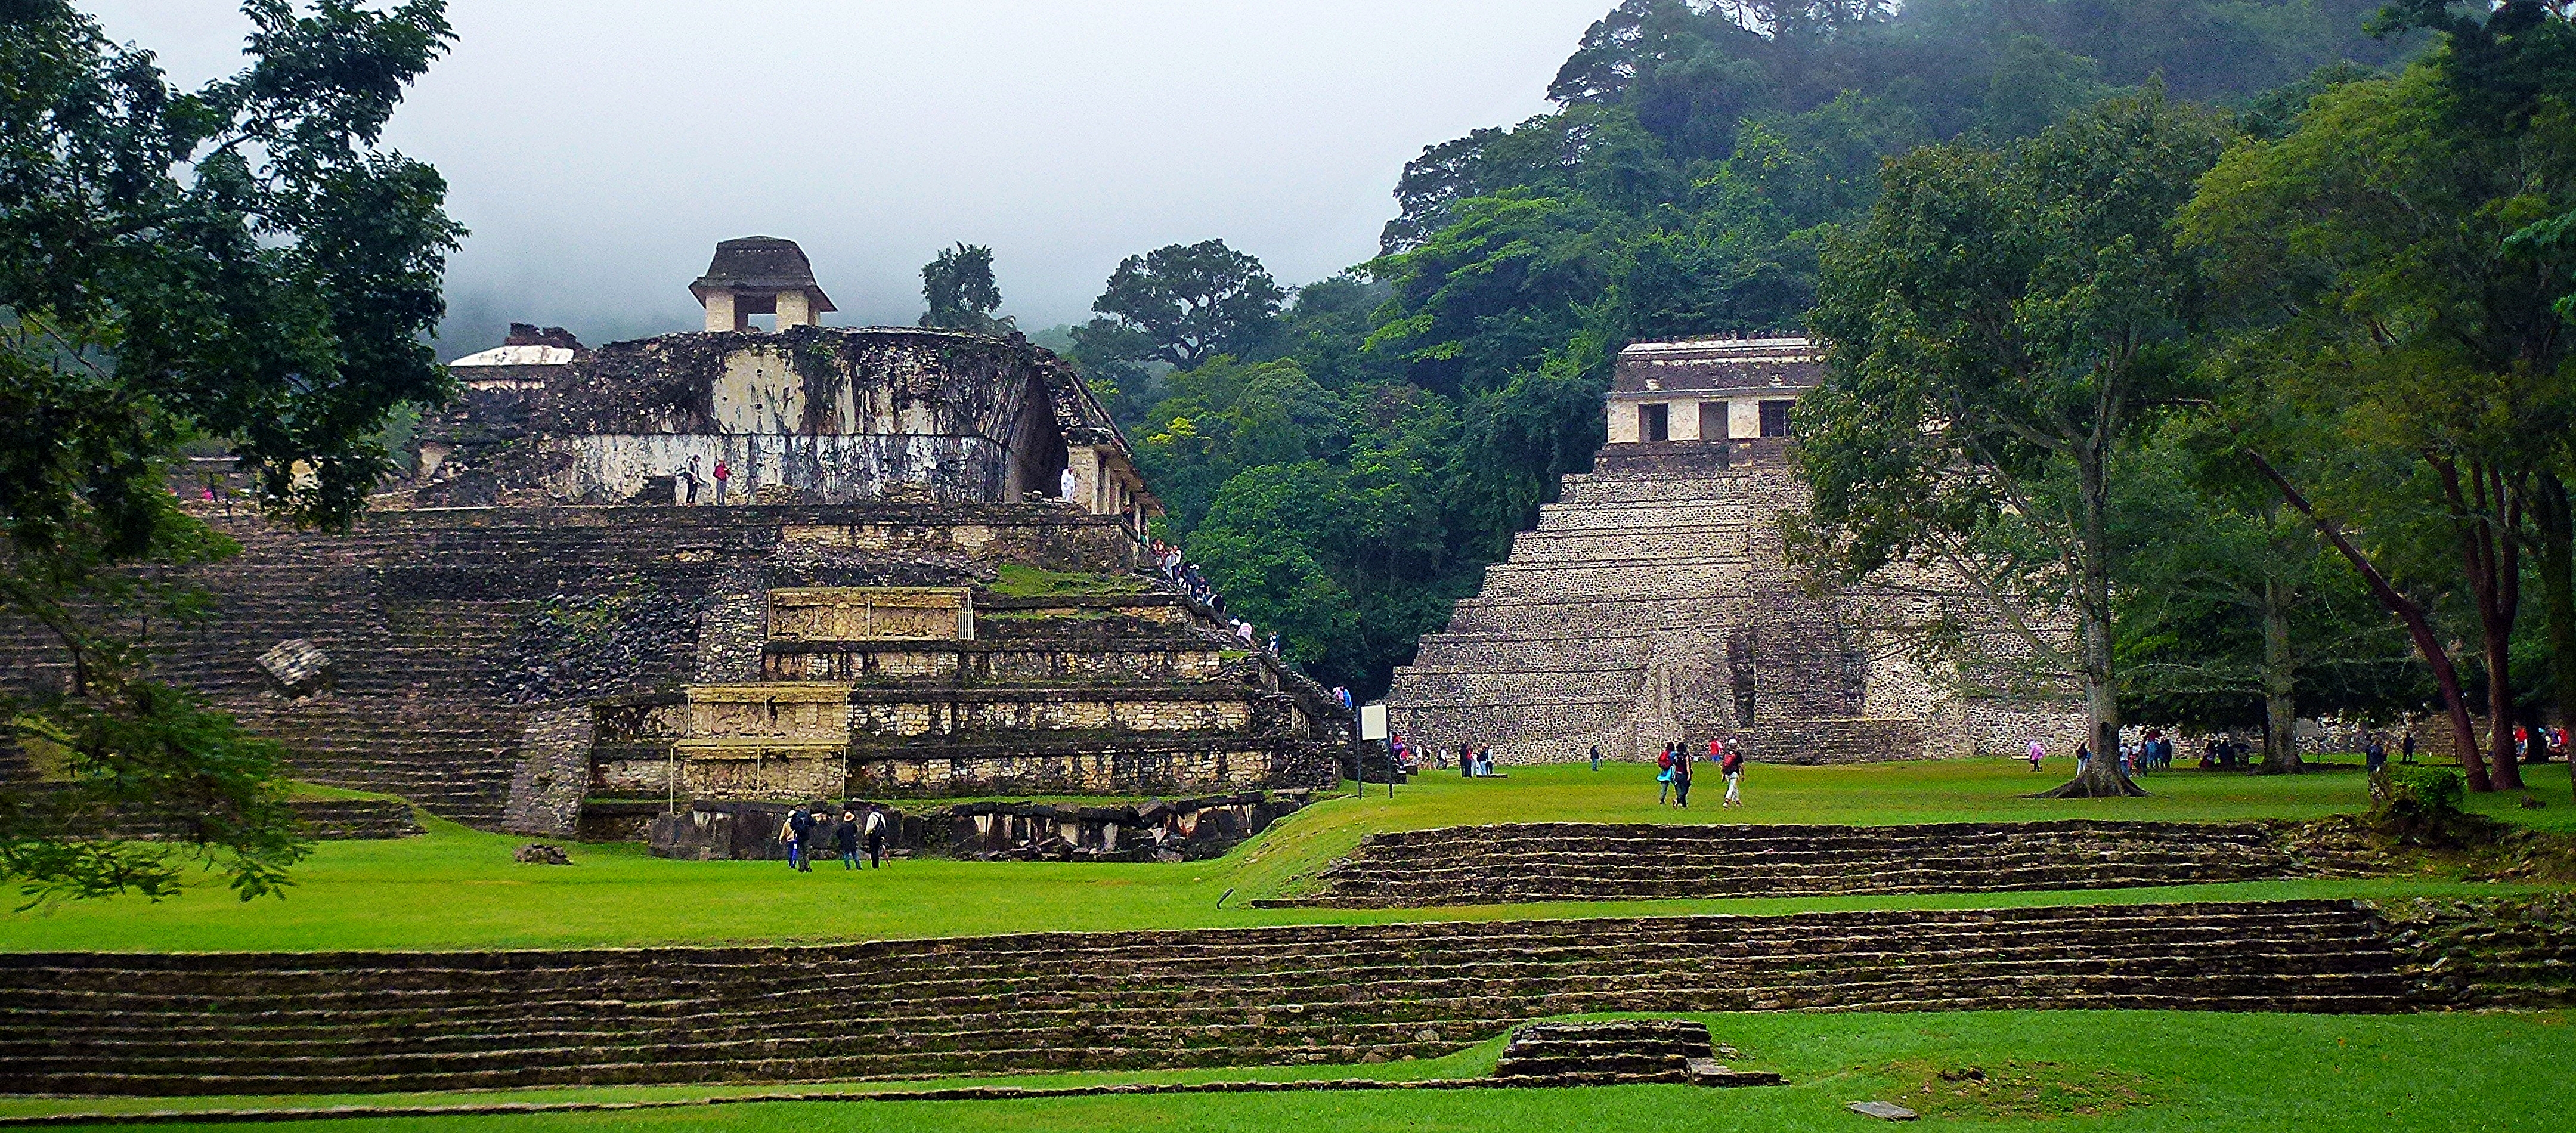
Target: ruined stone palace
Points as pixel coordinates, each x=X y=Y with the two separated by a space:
x=914 y=575
x=1655 y=602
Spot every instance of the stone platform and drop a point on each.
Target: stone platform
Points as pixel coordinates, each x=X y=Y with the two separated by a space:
x=1580 y=861
x=255 y=1023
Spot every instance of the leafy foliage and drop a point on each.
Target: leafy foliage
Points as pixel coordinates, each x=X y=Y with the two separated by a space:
x=2000 y=327
x=1685 y=185
x=1192 y=302
x=239 y=264
x=959 y=288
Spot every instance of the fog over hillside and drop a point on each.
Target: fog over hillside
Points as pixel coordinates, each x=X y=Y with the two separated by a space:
x=600 y=148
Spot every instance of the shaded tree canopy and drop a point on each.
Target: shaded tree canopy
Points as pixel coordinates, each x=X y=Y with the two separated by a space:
x=1193 y=301
x=240 y=265
x=959 y=289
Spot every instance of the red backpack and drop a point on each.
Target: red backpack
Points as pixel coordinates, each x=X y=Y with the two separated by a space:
x=1665 y=760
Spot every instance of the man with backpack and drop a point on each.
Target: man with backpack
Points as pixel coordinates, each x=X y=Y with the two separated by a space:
x=1681 y=775
x=800 y=825
x=876 y=837
x=1733 y=768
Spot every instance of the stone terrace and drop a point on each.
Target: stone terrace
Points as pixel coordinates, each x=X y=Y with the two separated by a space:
x=418 y=611
x=1573 y=861
x=297 y=1023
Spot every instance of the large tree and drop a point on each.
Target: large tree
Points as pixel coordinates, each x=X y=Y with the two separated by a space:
x=2000 y=325
x=959 y=289
x=2372 y=249
x=1193 y=301
x=242 y=265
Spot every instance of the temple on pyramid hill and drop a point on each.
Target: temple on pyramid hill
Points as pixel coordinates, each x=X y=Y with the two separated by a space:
x=1654 y=602
x=744 y=565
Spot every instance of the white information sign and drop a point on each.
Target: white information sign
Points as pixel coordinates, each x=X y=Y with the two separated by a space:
x=1372 y=721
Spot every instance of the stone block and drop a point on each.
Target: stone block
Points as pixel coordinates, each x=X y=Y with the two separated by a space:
x=553 y=775
x=297 y=667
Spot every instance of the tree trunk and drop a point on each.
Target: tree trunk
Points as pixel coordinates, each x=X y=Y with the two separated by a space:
x=2490 y=553
x=2100 y=777
x=2464 y=735
x=2280 y=706
x=2558 y=601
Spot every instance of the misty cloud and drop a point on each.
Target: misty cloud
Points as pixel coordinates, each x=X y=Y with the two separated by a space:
x=599 y=149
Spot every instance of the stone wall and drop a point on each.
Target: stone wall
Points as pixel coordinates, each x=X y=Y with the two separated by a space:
x=827 y=414
x=1098 y=767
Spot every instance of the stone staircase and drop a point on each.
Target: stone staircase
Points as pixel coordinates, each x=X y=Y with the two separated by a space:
x=1572 y=861
x=1619 y=1052
x=335 y=820
x=252 y=1023
x=2484 y=954
x=1655 y=601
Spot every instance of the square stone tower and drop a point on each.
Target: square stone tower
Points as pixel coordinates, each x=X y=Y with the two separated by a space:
x=760 y=275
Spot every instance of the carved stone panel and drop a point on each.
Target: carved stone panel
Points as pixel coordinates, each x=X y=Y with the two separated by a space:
x=871 y=613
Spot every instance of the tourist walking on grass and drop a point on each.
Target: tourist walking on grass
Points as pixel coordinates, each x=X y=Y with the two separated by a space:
x=799 y=824
x=1596 y=757
x=1664 y=777
x=2038 y=751
x=845 y=839
x=1681 y=776
x=1732 y=767
x=876 y=837
x=2374 y=755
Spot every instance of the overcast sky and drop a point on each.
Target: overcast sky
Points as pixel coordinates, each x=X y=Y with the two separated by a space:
x=600 y=148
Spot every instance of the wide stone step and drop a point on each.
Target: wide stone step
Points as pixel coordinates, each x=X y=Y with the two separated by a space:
x=1561 y=861
x=387 y=1021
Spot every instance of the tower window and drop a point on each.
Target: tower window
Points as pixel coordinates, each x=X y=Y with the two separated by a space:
x=1775 y=418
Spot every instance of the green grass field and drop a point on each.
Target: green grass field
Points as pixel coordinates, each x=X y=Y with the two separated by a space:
x=458 y=889
x=2073 y=1070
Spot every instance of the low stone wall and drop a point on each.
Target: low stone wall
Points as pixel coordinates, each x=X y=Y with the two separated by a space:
x=1168 y=831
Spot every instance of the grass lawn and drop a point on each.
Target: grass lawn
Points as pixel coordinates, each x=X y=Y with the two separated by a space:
x=2057 y=1070
x=458 y=889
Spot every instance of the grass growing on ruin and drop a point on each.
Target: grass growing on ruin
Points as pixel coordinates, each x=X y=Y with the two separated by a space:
x=1018 y=581
x=459 y=889
x=2141 y=1070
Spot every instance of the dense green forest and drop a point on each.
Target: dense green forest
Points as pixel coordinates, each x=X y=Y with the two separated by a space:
x=1346 y=459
